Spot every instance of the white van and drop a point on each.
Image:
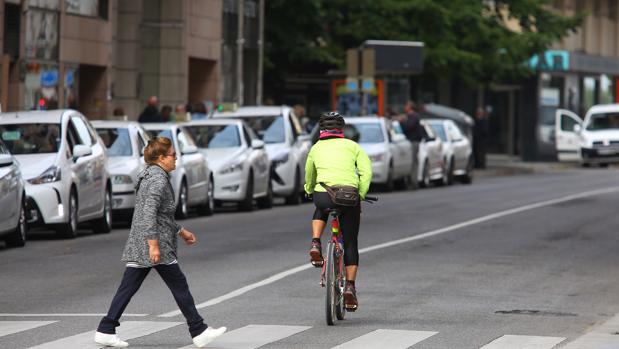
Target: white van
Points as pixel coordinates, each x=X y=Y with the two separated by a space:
x=594 y=140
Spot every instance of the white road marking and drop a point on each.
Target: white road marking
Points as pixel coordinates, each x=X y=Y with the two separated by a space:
x=65 y=315
x=253 y=336
x=10 y=327
x=127 y=330
x=523 y=342
x=601 y=337
x=392 y=339
x=436 y=232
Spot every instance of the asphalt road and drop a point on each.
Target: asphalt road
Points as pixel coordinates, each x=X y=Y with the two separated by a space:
x=532 y=255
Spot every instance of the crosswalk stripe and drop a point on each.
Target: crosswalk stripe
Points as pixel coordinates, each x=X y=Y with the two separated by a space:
x=253 y=336
x=10 y=327
x=127 y=330
x=392 y=339
x=601 y=337
x=523 y=342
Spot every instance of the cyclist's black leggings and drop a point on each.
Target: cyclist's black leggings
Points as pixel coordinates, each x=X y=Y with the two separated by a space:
x=349 y=224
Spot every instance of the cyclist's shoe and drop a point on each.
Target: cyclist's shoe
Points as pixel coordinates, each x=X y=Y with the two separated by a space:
x=350 y=297
x=316 y=254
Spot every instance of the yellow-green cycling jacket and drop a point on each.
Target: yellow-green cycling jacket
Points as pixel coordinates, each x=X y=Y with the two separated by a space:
x=337 y=161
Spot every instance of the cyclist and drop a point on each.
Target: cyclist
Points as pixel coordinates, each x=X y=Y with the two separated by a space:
x=335 y=160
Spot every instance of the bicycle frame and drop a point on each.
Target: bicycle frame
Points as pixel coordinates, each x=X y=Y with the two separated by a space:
x=333 y=274
x=337 y=240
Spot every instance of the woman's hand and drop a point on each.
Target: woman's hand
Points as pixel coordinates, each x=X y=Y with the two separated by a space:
x=153 y=251
x=188 y=236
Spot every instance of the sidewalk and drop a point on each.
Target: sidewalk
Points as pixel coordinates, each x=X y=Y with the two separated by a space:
x=506 y=165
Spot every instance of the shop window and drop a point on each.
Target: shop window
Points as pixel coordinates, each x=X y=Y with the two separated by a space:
x=88 y=8
x=606 y=90
x=12 y=16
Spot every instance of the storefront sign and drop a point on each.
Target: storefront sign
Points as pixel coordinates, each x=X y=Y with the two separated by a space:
x=551 y=61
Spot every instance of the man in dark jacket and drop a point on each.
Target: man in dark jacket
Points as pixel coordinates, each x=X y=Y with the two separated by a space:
x=480 y=136
x=412 y=129
x=151 y=112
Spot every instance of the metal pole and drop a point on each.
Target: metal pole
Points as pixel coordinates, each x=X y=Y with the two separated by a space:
x=260 y=52
x=239 y=53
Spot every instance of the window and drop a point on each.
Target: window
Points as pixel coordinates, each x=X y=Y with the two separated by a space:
x=184 y=140
x=370 y=133
x=82 y=131
x=567 y=124
x=31 y=138
x=216 y=136
x=269 y=128
x=440 y=131
x=90 y=8
x=116 y=140
x=141 y=142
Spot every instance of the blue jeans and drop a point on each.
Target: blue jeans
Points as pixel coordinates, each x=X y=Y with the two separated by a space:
x=130 y=284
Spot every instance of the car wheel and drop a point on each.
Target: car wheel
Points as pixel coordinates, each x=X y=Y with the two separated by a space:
x=182 y=208
x=390 y=185
x=248 y=202
x=69 y=229
x=209 y=206
x=468 y=177
x=267 y=201
x=104 y=224
x=295 y=197
x=448 y=175
x=18 y=238
x=425 y=177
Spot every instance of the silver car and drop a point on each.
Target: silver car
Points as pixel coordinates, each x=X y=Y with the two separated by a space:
x=125 y=142
x=64 y=164
x=457 y=150
x=192 y=180
x=429 y=156
x=240 y=164
x=390 y=152
x=12 y=200
x=286 y=144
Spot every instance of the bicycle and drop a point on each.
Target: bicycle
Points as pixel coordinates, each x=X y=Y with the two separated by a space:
x=333 y=275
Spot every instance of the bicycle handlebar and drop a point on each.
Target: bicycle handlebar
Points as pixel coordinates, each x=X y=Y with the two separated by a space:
x=370 y=198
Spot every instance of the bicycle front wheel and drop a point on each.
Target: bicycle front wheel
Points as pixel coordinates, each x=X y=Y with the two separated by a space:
x=331 y=296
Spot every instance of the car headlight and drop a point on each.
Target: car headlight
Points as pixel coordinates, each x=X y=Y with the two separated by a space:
x=280 y=159
x=50 y=175
x=231 y=168
x=377 y=157
x=121 y=179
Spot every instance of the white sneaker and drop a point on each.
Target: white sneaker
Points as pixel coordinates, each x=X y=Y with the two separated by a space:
x=207 y=336
x=109 y=340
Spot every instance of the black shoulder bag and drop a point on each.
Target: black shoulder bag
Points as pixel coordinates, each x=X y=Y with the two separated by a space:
x=343 y=195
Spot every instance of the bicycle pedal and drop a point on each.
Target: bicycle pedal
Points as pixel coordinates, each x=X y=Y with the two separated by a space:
x=350 y=307
x=317 y=264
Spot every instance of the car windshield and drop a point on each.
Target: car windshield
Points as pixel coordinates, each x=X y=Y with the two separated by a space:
x=369 y=132
x=603 y=121
x=31 y=138
x=215 y=136
x=269 y=128
x=440 y=131
x=116 y=140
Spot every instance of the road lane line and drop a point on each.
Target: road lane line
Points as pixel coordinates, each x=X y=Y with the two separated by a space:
x=436 y=232
x=603 y=336
x=66 y=314
x=523 y=342
x=253 y=336
x=10 y=327
x=127 y=330
x=392 y=339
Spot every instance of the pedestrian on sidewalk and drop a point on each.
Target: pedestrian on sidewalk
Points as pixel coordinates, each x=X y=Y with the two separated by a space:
x=480 y=136
x=411 y=126
x=152 y=244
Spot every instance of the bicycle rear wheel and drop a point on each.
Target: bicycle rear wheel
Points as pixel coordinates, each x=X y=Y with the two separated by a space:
x=340 y=310
x=331 y=283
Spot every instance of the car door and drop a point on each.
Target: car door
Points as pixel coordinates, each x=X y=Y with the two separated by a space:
x=567 y=140
x=83 y=167
x=300 y=143
x=433 y=146
x=401 y=151
x=258 y=159
x=141 y=137
x=9 y=190
x=195 y=167
x=459 y=145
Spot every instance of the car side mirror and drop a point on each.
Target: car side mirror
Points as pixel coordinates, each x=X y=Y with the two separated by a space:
x=6 y=160
x=189 y=149
x=81 y=150
x=577 y=128
x=257 y=144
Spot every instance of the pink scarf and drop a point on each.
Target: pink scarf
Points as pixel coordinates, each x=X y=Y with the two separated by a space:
x=335 y=133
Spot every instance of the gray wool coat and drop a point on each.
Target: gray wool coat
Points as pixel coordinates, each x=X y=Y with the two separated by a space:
x=153 y=218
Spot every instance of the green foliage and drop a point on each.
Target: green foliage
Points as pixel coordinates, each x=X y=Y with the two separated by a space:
x=464 y=39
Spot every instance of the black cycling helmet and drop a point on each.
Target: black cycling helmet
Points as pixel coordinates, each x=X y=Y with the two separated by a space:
x=331 y=120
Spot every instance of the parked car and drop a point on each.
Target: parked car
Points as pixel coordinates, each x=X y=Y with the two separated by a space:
x=390 y=152
x=457 y=150
x=240 y=164
x=594 y=140
x=286 y=144
x=192 y=180
x=12 y=200
x=429 y=156
x=64 y=164
x=125 y=142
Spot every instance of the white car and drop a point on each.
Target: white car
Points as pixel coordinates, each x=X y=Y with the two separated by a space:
x=594 y=140
x=429 y=157
x=125 y=142
x=457 y=150
x=390 y=152
x=286 y=144
x=64 y=164
x=12 y=200
x=240 y=164
x=192 y=179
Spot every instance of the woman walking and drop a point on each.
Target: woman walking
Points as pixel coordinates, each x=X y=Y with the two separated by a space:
x=152 y=243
